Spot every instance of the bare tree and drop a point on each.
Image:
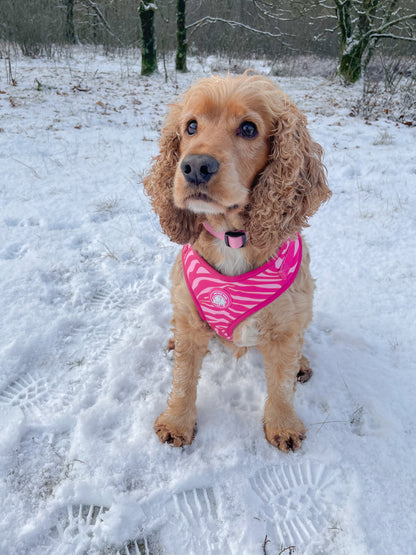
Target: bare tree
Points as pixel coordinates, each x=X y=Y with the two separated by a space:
x=100 y=16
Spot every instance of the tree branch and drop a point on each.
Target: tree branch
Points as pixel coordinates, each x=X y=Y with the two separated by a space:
x=209 y=19
x=103 y=20
x=396 y=37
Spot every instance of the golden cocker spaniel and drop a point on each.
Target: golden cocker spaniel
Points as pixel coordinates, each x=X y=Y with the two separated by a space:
x=237 y=168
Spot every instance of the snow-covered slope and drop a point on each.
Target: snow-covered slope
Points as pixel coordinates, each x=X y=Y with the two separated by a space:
x=84 y=303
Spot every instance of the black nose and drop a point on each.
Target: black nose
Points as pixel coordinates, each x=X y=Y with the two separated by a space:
x=199 y=168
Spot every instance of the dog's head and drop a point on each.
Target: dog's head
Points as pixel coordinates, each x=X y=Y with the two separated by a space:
x=236 y=145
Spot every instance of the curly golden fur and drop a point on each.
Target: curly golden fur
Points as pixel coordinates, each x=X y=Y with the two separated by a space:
x=269 y=180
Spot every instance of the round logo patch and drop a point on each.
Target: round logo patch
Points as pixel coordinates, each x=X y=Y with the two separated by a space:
x=220 y=298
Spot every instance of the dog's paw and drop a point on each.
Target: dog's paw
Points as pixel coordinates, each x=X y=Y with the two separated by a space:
x=285 y=439
x=305 y=372
x=304 y=375
x=173 y=433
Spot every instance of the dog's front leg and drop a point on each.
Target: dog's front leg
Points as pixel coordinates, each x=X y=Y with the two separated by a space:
x=282 y=427
x=177 y=424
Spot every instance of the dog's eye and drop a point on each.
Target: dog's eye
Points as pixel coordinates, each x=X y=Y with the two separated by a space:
x=247 y=130
x=192 y=127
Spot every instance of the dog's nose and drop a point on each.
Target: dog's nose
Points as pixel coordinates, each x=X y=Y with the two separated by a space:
x=199 y=168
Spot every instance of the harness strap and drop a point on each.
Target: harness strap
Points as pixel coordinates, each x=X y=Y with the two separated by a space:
x=225 y=301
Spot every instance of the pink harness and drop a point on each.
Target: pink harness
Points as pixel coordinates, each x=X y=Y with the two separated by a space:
x=225 y=301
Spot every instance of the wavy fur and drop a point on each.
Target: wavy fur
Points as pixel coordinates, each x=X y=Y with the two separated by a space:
x=291 y=187
x=180 y=225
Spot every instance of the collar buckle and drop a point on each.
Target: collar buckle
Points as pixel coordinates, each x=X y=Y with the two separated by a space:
x=230 y=238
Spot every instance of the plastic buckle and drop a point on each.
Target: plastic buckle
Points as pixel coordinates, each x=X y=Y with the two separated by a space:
x=235 y=235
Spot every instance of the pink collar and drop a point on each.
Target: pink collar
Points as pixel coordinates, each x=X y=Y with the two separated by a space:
x=233 y=239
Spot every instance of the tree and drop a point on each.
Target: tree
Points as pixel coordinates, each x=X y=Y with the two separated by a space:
x=182 y=45
x=69 y=24
x=147 y=14
x=362 y=24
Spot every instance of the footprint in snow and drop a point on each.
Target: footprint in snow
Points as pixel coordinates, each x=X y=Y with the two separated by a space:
x=78 y=531
x=196 y=510
x=294 y=502
x=36 y=395
x=75 y=529
x=116 y=299
x=137 y=547
x=26 y=392
x=119 y=306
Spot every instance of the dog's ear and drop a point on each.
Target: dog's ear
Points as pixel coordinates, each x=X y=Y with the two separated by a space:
x=291 y=187
x=181 y=226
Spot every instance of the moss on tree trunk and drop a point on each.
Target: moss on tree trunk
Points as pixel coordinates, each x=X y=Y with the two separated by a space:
x=147 y=14
x=69 y=23
x=351 y=63
x=355 y=41
x=182 y=45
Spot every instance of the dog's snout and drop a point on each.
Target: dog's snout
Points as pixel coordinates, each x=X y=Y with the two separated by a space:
x=199 y=168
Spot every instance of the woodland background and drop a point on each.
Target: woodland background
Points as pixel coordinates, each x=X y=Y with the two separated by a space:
x=349 y=31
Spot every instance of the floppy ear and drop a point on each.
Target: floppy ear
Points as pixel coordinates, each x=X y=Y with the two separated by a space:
x=292 y=185
x=180 y=225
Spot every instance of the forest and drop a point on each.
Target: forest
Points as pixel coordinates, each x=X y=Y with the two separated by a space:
x=350 y=31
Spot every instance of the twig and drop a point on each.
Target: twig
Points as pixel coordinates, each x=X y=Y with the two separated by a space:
x=35 y=173
x=326 y=421
x=78 y=88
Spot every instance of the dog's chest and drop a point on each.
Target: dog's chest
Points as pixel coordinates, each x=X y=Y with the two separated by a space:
x=232 y=262
x=246 y=333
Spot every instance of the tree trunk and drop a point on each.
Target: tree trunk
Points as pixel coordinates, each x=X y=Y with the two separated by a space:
x=147 y=14
x=182 y=45
x=355 y=42
x=343 y=13
x=69 y=24
x=350 y=64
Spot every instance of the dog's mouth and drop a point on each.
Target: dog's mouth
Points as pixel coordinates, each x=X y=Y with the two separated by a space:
x=200 y=202
x=201 y=197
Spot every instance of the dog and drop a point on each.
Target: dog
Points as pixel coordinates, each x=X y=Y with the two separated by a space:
x=236 y=180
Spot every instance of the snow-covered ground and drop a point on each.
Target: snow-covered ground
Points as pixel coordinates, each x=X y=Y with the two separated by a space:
x=84 y=304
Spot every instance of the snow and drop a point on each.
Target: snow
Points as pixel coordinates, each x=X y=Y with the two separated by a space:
x=85 y=321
